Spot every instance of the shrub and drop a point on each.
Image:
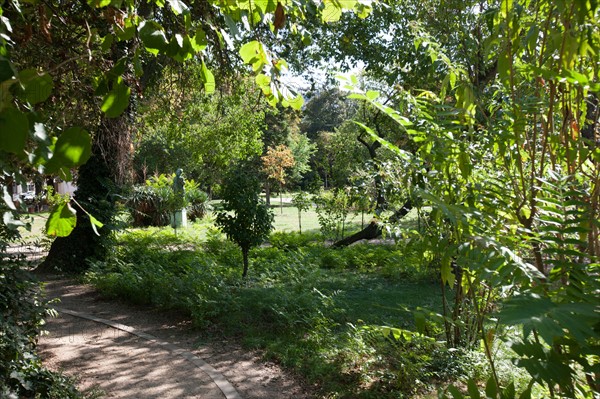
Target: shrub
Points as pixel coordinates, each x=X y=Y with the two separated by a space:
x=332 y=209
x=292 y=240
x=197 y=201
x=152 y=203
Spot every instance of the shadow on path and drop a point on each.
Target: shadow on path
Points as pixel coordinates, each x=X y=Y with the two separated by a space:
x=167 y=364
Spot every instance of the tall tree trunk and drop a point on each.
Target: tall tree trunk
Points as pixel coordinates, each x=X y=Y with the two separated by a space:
x=97 y=183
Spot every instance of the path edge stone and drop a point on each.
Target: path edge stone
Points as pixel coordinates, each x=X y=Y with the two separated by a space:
x=219 y=379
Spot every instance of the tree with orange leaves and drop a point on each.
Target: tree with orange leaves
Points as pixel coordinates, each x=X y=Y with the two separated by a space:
x=275 y=164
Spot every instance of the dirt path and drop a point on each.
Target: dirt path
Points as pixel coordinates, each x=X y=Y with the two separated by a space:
x=162 y=365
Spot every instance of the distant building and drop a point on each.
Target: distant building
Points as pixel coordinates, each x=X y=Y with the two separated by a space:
x=27 y=193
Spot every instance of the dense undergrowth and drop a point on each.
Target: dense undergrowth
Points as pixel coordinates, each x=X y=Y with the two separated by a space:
x=319 y=311
x=22 y=314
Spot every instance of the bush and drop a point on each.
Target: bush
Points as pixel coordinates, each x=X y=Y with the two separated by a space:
x=152 y=203
x=332 y=209
x=197 y=201
x=293 y=240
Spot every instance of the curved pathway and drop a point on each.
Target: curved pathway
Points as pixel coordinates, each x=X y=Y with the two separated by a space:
x=135 y=352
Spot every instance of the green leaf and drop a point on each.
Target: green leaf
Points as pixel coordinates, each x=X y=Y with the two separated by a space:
x=99 y=3
x=179 y=7
x=95 y=223
x=106 y=42
x=73 y=148
x=262 y=80
x=125 y=33
x=14 y=128
x=153 y=37
x=509 y=391
x=491 y=389
x=199 y=41
x=446 y=269
x=208 y=79
x=456 y=394
x=7 y=71
x=8 y=199
x=36 y=87
x=62 y=220
x=504 y=67
x=526 y=394
x=473 y=390
x=250 y=51
x=116 y=100
x=332 y=11
x=372 y=95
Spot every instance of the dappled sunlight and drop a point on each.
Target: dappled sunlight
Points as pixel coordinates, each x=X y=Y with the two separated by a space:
x=122 y=364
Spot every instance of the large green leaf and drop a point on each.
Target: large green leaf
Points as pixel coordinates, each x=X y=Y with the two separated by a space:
x=179 y=7
x=7 y=197
x=253 y=53
x=14 y=128
x=198 y=41
x=249 y=51
x=6 y=70
x=117 y=100
x=208 y=79
x=62 y=220
x=153 y=37
x=331 y=11
x=73 y=148
x=36 y=87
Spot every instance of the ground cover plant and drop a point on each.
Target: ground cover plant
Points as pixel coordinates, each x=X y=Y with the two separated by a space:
x=343 y=318
x=22 y=314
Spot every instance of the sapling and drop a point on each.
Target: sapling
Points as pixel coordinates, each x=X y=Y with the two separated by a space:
x=245 y=218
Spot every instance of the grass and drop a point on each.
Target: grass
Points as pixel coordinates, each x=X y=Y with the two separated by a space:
x=286 y=221
x=313 y=309
x=37 y=223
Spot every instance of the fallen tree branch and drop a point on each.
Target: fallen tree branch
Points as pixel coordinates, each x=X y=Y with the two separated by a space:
x=374 y=229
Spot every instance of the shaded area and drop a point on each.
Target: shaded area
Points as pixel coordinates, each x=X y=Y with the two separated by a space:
x=251 y=376
x=121 y=364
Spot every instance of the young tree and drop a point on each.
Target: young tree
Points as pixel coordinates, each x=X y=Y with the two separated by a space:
x=275 y=164
x=302 y=149
x=245 y=218
x=302 y=202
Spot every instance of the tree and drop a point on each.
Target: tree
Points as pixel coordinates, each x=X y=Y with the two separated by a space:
x=203 y=134
x=275 y=164
x=245 y=218
x=326 y=110
x=302 y=201
x=111 y=51
x=302 y=149
x=512 y=183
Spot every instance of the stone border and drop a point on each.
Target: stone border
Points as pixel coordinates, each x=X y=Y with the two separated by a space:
x=225 y=386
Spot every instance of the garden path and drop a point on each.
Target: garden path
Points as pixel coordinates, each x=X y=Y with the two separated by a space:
x=136 y=352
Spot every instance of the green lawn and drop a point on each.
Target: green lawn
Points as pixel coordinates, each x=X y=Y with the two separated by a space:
x=315 y=310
